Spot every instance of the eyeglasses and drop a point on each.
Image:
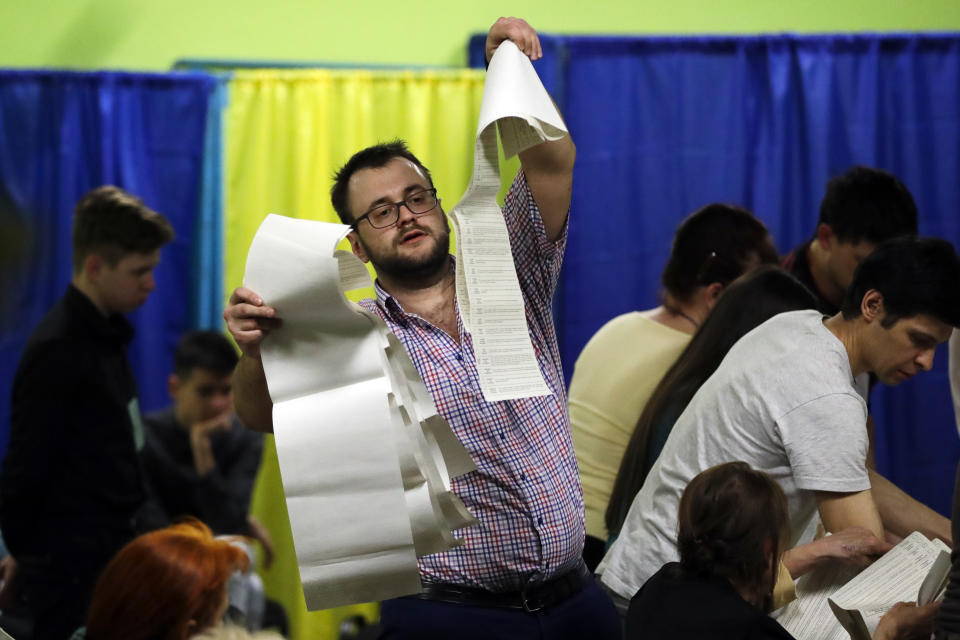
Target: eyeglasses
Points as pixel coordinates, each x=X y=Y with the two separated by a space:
x=386 y=215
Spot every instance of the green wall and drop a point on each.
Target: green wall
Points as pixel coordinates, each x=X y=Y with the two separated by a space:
x=152 y=34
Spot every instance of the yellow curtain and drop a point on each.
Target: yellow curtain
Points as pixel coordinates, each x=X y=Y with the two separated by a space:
x=286 y=132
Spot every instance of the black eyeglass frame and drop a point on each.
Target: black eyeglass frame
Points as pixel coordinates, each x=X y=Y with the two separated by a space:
x=403 y=203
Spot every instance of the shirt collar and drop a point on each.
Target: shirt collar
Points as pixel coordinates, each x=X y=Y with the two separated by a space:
x=113 y=329
x=388 y=302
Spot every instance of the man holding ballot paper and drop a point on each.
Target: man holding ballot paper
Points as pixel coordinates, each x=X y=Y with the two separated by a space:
x=519 y=572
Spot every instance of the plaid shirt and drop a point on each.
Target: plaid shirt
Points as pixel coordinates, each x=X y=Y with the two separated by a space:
x=525 y=492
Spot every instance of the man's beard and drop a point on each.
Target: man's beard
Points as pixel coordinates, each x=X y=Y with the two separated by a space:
x=412 y=270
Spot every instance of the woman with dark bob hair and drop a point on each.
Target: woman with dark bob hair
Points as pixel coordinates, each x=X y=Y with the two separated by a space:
x=169 y=584
x=731 y=531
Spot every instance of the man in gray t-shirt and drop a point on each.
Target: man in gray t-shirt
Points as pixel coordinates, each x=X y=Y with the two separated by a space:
x=785 y=401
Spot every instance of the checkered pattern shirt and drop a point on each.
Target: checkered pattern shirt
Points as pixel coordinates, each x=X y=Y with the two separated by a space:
x=525 y=492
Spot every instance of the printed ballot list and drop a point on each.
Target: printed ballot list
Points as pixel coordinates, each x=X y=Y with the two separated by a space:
x=365 y=458
x=488 y=292
x=840 y=604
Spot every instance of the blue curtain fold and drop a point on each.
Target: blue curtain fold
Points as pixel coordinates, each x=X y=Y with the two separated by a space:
x=206 y=296
x=63 y=133
x=664 y=125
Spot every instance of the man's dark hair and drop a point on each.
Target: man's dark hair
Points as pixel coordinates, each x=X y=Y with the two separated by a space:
x=370 y=158
x=731 y=518
x=112 y=223
x=914 y=275
x=208 y=350
x=716 y=243
x=866 y=204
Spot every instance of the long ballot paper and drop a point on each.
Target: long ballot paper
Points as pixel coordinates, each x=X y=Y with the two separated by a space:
x=365 y=458
x=488 y=293
x=840 y=604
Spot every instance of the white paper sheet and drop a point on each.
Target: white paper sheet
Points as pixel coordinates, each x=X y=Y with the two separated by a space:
x=363 y=453
x=488 y=292
x=896 y=577
x=809 y=616
x=839 y=603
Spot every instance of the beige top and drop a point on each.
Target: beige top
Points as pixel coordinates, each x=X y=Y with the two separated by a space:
x=612 y=381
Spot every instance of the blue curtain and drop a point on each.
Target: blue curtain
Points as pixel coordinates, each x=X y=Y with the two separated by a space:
x=665 y=125
x=63 y=133
x=207 y=292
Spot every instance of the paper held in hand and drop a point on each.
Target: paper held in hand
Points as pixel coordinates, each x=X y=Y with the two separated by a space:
x=488 y=292
x=365 y=459
x=838 y=603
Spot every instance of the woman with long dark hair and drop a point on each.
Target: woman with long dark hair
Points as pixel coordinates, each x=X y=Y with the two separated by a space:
x=747 y=303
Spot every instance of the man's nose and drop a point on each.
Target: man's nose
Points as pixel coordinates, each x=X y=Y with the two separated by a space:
x=222 y=401
x=925 y=359
x=148 y=282
x=404 y=214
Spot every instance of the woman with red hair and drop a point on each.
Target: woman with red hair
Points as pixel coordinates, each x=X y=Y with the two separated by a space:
x=164 y=585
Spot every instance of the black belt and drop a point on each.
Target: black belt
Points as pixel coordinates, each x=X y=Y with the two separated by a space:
x=531 y=599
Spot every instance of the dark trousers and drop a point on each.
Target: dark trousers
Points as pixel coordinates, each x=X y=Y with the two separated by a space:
x=587 y=614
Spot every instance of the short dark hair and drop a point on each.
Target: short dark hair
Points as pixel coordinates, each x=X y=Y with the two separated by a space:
x=715 y=244
x=867 y=204
x=112 y=223
x=728 y=515
x=914 y=275
x=208 y=350
x=370 y=158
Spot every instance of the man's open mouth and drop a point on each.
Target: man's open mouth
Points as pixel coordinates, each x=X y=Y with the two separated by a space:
x=412 y=236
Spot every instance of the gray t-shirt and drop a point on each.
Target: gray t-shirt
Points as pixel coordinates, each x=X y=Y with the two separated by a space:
x=785 y=402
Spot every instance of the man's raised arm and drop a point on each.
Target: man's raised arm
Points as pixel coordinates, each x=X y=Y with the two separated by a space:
x=549 y=165
x=249 y=320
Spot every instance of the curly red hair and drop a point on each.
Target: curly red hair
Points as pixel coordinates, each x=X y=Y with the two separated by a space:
x=164 y=585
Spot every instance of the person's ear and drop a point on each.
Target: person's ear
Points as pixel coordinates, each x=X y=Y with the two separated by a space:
x=712 y=293
x=357 y=246
x=825 y=236
x=93 y=266
x=871 y=306
x=173 y=385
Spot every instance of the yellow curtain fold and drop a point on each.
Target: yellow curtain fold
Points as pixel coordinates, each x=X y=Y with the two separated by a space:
x=286 y=132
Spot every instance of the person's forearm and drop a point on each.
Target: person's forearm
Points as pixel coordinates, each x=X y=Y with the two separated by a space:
x=549 y=170
x=903 y=515
x=203 y=460
x=251 y=398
